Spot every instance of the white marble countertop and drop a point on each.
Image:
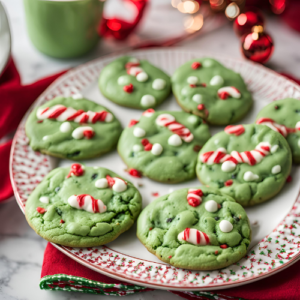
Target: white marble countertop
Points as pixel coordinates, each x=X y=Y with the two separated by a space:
x=21 y=250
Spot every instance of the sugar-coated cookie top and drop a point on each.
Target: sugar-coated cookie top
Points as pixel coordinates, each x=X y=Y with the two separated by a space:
x=206 y=88
x=198 y=228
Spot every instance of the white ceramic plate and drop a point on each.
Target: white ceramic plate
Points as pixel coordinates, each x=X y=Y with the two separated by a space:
x=5 y=39
x=275 y=223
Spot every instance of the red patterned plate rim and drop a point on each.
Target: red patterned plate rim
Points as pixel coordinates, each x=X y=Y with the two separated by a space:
x=285 y=228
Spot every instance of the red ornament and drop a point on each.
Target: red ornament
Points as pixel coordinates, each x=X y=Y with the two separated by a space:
x=41 y=210
x=128 y=88
x=245 y=21
x=257 y=46
x=135 y=173
x=228 y=182
x=201 y=107
x=196 y=65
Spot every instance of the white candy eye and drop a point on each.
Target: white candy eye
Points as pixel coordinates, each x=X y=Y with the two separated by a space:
x=139 y=132
x=101 y=183
x=211 y=206
x=158 y=84
x=192 y=80
x=174 y=140
x=225 y=226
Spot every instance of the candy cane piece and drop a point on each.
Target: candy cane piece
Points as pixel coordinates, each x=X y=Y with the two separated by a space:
x=194 y=197
x=84 y=131
x=235 y=129
x=87 y=202
x=194 y=236
x=228 y=91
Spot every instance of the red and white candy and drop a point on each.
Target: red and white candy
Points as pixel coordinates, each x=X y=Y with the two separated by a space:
x=283 y=130
x=148 y=113
x=235 y=129
x=194 y=236
x=194 y=197
x=87 y=202
x=62 y=113
x=228 y=91
x=229 y=162
x=84 y=131
x=116 y=184
x=169 y=121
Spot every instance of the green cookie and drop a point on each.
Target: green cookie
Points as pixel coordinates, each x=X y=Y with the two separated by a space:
x=207 y=89
x=283 y=116
x=163 y=145
x=134 y=83
x=82 y=206
x=248 y=162
x=198 y=229
x=72 y=128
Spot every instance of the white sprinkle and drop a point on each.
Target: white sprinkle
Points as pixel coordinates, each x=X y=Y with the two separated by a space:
x=77 y=96
x=174 y=140
x=65 y=127
x=137 y=148
x=142 y=77
x=228 y=166
x=197 y=98
x=123 y=80
x=211 y=206
x=44 y=199
x=119 y=185
x=139 y=132
x=192 y=80
x=276 y=169
x=45 y=137
x=249 y=176
x=158 y=84
x=101 y=183
x=207 y=63
x=217 y=80
x=274 y=148
x=225 y=226
x=157 y=149
x=192 y=119
x=147 y=100
x=109 y=117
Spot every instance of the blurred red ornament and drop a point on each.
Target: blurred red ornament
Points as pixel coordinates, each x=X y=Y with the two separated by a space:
x=257 y=46
x=245 y=21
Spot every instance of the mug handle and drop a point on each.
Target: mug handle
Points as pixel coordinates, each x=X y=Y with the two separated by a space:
x=120 y=29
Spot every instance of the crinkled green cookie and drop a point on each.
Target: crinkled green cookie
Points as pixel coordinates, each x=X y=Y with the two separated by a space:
x=134 y=83
x=72 y=128
x=198 y=229
x=207 y=89
x=248 y=162
x=164 y=145
x=283 y=116
x=82 y=206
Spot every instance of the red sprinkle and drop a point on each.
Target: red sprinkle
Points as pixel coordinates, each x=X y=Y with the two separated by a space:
x=128 y=88
x=132 y=123
x=148 y=147
x=40 y=121
x=228 y=182
x=88 y=134
x=150 y=228
x=41 y=210
x=276 y=107
x=170 y=256
x=196 y=65
x=203 y=84
x=289 y=179
x=223 y=95
x=62 y=221
x=144 y=142
x=155 y=194
x=201 y=107
x=193 y=202
x=197 y=148
x=135 y=173
x=193 y=85
x=224 y=246
x=76 y=169
x=216 y=252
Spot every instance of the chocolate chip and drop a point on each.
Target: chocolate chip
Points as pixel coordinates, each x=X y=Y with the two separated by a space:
x=233 y=176
x=94 y=176
x=276 y=107
x=236 y=218
x=57 y=189
x=58 y=210
x=297 y=111
x=170 y=220
x=217 y=218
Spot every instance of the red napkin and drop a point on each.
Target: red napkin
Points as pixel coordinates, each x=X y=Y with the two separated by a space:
x=15 y=100
x=59 y=272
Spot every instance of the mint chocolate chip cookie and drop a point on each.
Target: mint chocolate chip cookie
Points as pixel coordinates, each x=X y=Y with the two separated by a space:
x=164 y=145
x=283 y=116
x=248 y=162
x=82 y=206
x=207 y=89
x=134 y=83
x=198 y=229
x=72 y=128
